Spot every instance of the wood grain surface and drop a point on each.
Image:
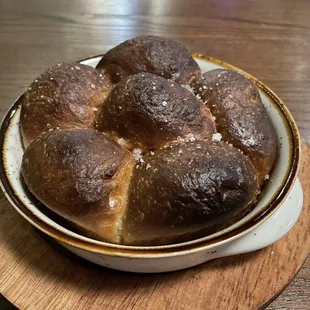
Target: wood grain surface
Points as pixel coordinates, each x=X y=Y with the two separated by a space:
x=269 y=39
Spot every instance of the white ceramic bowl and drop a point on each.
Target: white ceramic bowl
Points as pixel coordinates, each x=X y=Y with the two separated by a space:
x=274 y=215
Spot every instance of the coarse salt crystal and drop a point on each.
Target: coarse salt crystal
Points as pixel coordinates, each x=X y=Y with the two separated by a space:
x=154 y=87
x=111 y=203
x=198 y=146
x=217 y=137
x=121 y=141
x=92 y=86
x=120 y=107
x=136 y=153
x=250 y=142
x=198 y=96
x=267 y=177
x=152 y=153
x=77 y=68
x=204 y=87
x=148 y=166
x=164 y=103
x=190 y=137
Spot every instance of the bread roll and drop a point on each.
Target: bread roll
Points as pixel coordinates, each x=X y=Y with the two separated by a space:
x=83 y=176
x=65 y=96
x=160 y=56
x=240 y=116
x=147 y=111
x=187 y=190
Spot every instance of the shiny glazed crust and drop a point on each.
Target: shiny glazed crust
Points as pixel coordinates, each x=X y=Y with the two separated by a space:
x=65 y=96
x=160 y=56
x=147 y=111
x=83 y=176
x=186 y=189
x=240 y=116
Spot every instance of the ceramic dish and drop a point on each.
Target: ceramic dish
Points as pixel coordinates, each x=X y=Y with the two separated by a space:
x=275 y=213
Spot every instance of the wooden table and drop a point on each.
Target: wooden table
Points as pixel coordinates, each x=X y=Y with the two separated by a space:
x=270 y=39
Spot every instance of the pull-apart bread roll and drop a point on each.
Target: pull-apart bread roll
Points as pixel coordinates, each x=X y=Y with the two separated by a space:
x=146 y=111
x=65 y=96
x=83 y=176
x=240 y=116
x=160 y=56
x=186 y=190
x=128 y=155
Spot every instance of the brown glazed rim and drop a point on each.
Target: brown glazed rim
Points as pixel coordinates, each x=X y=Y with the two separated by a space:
x=166 y=250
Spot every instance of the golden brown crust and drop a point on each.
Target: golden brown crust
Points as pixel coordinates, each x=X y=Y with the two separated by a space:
x=83 y=176
x=187 y=189
x=160 y=56
x=240 y=115
x=65 y=96
x=147 y=111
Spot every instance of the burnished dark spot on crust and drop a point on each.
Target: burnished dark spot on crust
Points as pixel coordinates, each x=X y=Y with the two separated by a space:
x=65 y=96
x=240 y=115
x=160 y=56
x=186 y=188
x=148 y=111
